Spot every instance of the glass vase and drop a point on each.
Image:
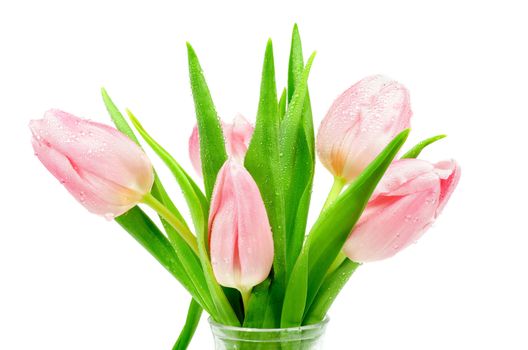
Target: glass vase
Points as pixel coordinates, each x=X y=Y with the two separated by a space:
x=297 y=338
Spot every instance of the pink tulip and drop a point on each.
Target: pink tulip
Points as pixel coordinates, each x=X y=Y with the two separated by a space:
x=360 y=123
x=237 y=136
x=101 y=167
x=240 y=239
x=405 y=203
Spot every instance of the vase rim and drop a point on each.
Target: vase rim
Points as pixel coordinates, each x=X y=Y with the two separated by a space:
x=308 y=327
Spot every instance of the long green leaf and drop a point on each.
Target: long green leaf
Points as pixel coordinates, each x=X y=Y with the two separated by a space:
x=416 y=150
x=295 y=63
x=191 y=323
x=224 y=312
x=329 y=233
x=195 y=199
x=118 y=119
x=296 y=292
x=292 y=122
x=329 y=290
x=212 y=145
x=159 y=192
x=262 y=161
x=298 y=160
x=295 y=69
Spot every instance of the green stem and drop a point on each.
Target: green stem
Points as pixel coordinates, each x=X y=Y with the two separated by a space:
x=182 y=229
x=340 y=258
x=336 y=189
x=246 y=294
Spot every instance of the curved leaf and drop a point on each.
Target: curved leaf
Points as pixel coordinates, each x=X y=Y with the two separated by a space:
x=224 y=312
x=332 y=228
x=416 y=150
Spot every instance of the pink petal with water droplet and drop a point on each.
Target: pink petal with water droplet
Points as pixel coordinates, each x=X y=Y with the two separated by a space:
x=240 y=237
x=106 y=171
x=404 y=205
x=360 y=123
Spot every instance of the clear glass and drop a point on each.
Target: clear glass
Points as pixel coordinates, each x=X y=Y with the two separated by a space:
x=296 y=338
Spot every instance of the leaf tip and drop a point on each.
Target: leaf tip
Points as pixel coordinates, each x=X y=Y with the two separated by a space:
x=131 y=116
x=190 y=50
x=405 y=133
x=295 y=29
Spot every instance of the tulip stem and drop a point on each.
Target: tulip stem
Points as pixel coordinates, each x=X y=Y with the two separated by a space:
x=246 y=294
x=165 y=213
x=340 y=258
x=336 y=189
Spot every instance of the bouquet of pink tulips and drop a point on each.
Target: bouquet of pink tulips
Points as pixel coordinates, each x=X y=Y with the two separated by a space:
x=246 y=256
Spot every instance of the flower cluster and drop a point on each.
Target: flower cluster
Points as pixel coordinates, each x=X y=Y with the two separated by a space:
x=250 y=220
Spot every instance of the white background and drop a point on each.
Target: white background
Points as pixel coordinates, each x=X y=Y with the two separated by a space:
x=71 y=280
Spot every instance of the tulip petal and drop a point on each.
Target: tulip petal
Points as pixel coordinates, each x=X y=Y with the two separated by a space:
x=360 y=123
x=194 y=151
x=449 y=173
x=395 y=222
x=255 y=243
x=97 y=148
x=404 y=205
x=65 y=171
x=101 y=167
x=223 y=233
x=406 y=176
x=241 y=243
x=238 y=135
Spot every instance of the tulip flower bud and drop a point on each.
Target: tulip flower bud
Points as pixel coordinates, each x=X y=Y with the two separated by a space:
x=240 y=238
x=101 y=167
x=237 y=136
x=407 y=200
x=360 y=123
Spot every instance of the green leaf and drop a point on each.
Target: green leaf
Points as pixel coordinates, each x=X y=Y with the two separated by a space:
x=262 y=162
x=282 y=104
x=130 y=222
x=295 y=63
x=212 y=145
x=158 y=191
x=332 y=228
x=118 y=119
x=295 y=70
x=292 y=120
x=191 y=323
x=416 y=150
x=199 y=211
x=329 y=290
x=299 y=195
x=196 y=201
x=297 y=165
x=296 y=292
